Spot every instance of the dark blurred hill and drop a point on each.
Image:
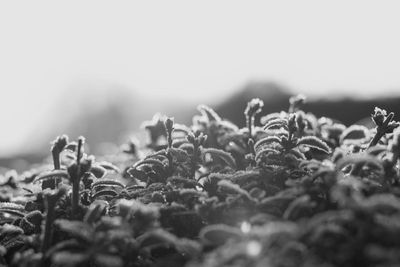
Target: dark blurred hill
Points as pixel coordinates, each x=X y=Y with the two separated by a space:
x=275 y=97
x=112 y=116
x=108 y=117
x=350 y=111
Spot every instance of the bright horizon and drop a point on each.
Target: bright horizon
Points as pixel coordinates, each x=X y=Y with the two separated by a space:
x=198 y=51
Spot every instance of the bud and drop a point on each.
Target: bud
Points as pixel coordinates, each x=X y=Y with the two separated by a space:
x=60 y=143
x=81 y=140
x=202 y=139
x=190 y=137
x=254 y=107
x=300 y=120
x=379 y=116
x=169 y=124
x=169 y=127
x=296 y=102
x=337 y=155
x=292 y=124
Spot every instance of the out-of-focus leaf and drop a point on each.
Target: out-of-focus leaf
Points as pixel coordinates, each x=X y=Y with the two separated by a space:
x=314 y=142
x=218 y=234
x=52 y=175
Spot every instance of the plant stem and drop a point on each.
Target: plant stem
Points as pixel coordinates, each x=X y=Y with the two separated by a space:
x=169 y=138
x=75 y=196
x=56 y=159
x=57 y=165
x=250 y=123
x=76 y=180
x=376 y=139
x=170 y=163
x=250 y=143
x=381 y=130
x=48 y=230
x=194 y=160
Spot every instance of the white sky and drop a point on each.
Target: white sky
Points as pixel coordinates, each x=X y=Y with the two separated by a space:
x=196 y=48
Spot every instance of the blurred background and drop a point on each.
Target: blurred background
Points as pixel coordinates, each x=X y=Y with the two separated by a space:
x=100 y=68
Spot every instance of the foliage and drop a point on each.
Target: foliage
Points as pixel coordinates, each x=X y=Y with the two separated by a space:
x=288 y=190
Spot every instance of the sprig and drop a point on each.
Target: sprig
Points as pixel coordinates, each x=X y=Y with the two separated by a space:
x=197 y=140
x=253 y=108
x=384 y=124
x=169 y=127
x=58 y=146
x=76 y=171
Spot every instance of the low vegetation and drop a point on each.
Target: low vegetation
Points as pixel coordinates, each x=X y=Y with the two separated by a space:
x=288 y=190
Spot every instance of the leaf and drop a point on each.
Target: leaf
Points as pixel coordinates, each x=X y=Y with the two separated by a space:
x=107 y=260
x=218 y=153
x=276 y=124
x=189 y=192
x=376 y=150
x=52 y=175
x=218 y=234
x=109 y=166
x=314 y=142
x=300 y=207
x=354 y=132
x=72 y=146
x=32 y=221
x=134 y=187
x=182 y=180
x=359 y=159
x=76 y=229
x=12 y=209
x=257 y=193
x=178 y=154
x=242 y=177
x=11 y=239
x=277 y=115
x=188 y=247
x=209 y=113
x=266 y=140
x=98 y=171
x=181 y=128
x=275 y=204
x=66 y=258
x=70 y=244
x=296 y=154
x=11 y=206
x=107 y=182
x=229 y=187
x=95 y=211
x=10 y=230
x=105 y=193
x=158 y=237
x=149 y=162
x=137 y=174
x=265 y=151
x=147 y=212
x=382 y=203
